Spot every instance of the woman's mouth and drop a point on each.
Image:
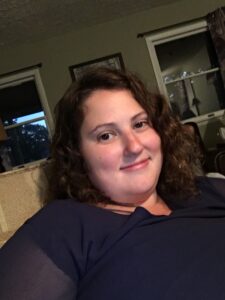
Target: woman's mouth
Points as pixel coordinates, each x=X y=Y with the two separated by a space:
x=136 y=166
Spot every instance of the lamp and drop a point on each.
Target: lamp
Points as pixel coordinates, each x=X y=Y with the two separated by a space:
x=3 y=135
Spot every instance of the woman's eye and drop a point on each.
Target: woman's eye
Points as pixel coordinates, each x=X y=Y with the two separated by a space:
x=141 y=124
x=105 y=137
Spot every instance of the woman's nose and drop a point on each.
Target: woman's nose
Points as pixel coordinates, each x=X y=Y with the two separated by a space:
x=132 y=144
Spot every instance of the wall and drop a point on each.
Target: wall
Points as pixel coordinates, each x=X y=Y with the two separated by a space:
x=58 y=53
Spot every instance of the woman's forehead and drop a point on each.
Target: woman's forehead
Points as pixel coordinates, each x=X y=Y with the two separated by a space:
x=105 y=101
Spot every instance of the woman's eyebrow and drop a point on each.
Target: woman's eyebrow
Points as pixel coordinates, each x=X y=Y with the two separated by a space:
x=140 y=114
x=113 y=124
x=104 y=125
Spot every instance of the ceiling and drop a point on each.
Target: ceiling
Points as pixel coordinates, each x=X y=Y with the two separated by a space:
x=29 y=20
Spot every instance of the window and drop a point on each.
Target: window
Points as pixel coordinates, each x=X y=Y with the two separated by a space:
x=26 y=118
x=187 y=71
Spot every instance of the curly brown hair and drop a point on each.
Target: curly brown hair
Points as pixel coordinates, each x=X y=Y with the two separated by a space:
x=68 y=176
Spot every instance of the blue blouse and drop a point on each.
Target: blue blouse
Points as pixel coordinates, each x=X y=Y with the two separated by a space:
x=70 y=250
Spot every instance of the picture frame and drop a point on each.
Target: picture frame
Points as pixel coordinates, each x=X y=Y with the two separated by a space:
x=112 y=61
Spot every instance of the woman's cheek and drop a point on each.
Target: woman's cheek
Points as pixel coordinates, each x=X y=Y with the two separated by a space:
x=108 y=158
x=157 y=140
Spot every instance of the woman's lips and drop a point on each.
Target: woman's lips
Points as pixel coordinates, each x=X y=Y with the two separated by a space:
x=136 y=166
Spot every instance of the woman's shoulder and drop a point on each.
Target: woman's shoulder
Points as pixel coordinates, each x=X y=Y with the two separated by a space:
x=70 y=218
x=66 y=210
x=68 y=231
x=210 y=192
x=212 y=188
x=217 y=182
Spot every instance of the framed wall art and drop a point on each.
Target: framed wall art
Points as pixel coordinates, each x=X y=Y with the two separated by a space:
x=111 y=61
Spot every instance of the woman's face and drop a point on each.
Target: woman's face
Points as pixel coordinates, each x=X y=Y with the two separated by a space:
x=121 y=150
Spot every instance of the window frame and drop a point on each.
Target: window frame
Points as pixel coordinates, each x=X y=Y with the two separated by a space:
x=25 y=75
x=170 y=34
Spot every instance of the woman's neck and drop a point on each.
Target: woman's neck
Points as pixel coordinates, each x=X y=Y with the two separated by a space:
x=155 y=205
x=159 y=207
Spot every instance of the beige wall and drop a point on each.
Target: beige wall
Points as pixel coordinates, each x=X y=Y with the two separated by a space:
x=58 y=53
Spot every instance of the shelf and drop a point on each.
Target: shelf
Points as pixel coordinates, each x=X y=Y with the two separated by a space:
x=192 y=76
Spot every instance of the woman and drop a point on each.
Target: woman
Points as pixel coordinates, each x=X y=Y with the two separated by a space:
x=137 y=223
